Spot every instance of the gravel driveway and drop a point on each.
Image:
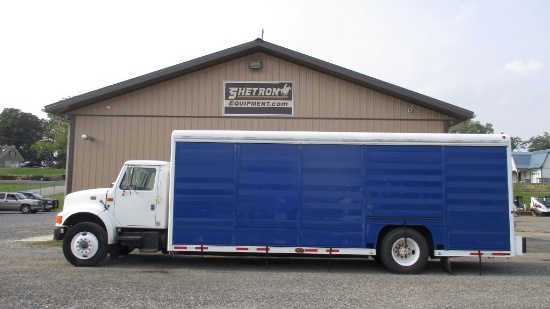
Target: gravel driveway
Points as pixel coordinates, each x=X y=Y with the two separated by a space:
x=38 y=276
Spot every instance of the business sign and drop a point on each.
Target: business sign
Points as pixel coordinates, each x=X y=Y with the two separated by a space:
x=258 y=98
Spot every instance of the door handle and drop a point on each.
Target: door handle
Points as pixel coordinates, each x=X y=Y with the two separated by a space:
x=152 y=206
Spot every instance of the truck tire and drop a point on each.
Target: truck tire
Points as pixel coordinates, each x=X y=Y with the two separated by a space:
x=404 y=251
x=85 y=244
x=26 y=209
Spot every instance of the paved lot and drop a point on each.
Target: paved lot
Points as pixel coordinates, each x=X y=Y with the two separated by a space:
x=34 y=275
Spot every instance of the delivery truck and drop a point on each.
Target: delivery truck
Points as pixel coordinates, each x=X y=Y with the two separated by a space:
x=403 y=198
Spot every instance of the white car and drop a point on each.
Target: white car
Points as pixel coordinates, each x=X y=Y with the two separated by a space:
x=540 y=205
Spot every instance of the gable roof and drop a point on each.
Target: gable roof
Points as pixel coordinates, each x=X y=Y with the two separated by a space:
x=4 y=150
x=530 y=160
x=245 y=49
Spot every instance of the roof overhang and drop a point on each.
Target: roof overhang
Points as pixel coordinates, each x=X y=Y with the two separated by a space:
x=258 y=45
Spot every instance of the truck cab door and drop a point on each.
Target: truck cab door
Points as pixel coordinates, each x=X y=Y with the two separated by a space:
x=135 y=201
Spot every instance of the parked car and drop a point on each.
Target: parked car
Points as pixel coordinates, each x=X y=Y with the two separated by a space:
x=29 y=164
x=17 y=201
x=540 y=205
x=49 y=204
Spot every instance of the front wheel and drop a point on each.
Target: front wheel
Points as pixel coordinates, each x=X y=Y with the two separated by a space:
x=404 y=251
x=26 y=209
x=85 y=244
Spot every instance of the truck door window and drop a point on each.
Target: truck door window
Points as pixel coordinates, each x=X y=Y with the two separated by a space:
x=143 y=179
x=2 y=196
x=11 y=197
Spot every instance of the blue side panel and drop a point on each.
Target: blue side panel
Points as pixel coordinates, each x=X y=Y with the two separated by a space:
x=268 y=196
x=339 y=195
x=477 y=198
x=332 y=196
x=204 y=193
x=404 y=183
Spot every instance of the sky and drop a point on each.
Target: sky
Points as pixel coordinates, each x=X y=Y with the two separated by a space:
x=490 y=57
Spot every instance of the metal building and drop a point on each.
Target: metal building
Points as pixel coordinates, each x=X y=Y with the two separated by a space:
x=253 y=86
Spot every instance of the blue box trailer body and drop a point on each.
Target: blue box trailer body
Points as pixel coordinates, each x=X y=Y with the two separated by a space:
x=339 y=195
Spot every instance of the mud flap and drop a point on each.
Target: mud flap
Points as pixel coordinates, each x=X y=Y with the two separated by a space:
x=445 y=263
x=113 y=251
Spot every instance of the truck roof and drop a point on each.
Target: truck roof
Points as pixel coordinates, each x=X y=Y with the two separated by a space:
x=147 y=162
x=354 y=138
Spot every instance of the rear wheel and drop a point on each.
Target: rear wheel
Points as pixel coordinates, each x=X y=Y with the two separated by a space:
x=404 y=251
x=85 y=244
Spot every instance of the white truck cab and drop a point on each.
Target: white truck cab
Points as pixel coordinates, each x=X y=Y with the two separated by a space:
x=133 y=213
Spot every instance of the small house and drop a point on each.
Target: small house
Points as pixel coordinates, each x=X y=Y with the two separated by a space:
x=532 y=167
x=10 y=156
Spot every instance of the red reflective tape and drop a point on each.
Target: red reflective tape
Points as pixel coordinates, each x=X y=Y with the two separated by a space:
x=180 y=247
x=333 y=250
x=262 y=249
x=242 y=249
x=203 y=248
x=311 y=250
x=499 y=254
x=476 y=253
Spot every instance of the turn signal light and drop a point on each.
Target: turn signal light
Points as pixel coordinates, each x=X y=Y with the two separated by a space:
x=58 y=219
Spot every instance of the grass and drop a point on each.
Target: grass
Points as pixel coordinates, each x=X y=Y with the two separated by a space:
x=49 y=243
x=61 y=198
x=528 y=190
x=11 y=187
x=31 y=171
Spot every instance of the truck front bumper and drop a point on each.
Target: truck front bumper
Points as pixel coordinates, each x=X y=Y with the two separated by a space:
x=59 y=233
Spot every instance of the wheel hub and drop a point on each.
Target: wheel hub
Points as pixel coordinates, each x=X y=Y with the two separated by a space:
x=402 y=250
x=84 y=245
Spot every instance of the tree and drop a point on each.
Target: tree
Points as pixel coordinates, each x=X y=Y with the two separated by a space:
x=517 y=143
x=470 y=126
x=20 y=130
x=539 y=142
x=52 y=149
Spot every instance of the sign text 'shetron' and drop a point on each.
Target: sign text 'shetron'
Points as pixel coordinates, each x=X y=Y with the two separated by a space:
x=258 y=98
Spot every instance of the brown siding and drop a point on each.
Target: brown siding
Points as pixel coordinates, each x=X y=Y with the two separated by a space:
x=138 y=125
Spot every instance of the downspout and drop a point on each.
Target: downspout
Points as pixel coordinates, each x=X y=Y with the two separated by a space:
x=70 y=157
